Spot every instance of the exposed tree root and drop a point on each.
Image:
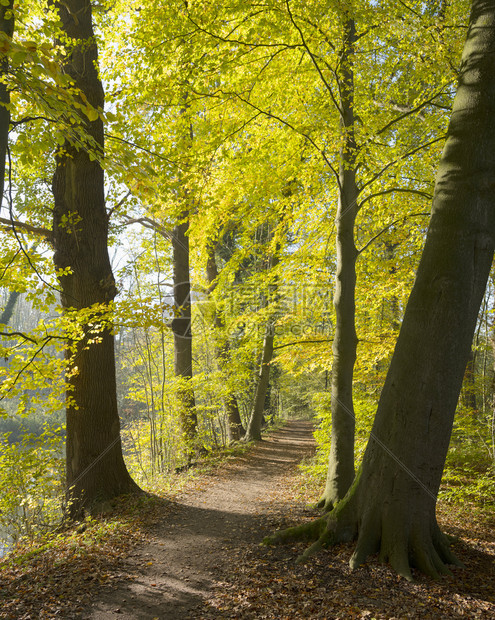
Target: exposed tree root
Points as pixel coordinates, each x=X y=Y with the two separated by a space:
x=307 y=532
x=403 y=542
x=325 y=504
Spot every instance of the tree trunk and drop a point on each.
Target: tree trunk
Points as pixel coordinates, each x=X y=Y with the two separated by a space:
x=8 y=311
x=95 y=466
x=236 y=430
x=253 y=431
x=390 y=508
x=341 y=460
x=6 y=27
x=9 y=307
x=469 y=392
x=181 y=327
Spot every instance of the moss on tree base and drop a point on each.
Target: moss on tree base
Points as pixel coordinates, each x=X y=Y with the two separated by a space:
x=406 y=536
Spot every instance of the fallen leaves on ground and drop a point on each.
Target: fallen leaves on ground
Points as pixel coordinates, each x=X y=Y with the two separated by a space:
x=57 y=577
x=58 y=580
x=268 y=584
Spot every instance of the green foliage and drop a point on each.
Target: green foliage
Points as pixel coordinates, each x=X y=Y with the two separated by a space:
x=468 y=486
x=31 y=479
x=469 y=475
x=230 y=114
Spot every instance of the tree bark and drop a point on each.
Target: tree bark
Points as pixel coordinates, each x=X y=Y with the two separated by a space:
x=181 y=327
x=390 y=508
x=8 y=311
x=236 y=430
x=6 y=27
x=253 y=431
x=469 y=391
x=95 y=466
x=340 y=472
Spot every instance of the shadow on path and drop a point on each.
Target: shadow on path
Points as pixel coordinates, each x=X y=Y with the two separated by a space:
x=170 y=577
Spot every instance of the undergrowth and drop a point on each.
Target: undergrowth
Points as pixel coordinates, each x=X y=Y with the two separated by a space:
x=127 y=515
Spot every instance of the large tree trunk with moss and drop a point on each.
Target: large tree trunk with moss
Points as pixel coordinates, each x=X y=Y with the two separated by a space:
x=222 y=352
x=341 y=460
x=390 y=508
x=181 y=327
x=95 y=467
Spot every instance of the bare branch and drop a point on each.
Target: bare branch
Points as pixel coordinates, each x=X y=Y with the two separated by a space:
x=30 y=362
x=118 y=205
x=402 y=157
x=228 y=39
x=20 y=334
x=406 y=111
x=313 y=59
x=142 y=148
x=29 y=119
x=149 y=223
x=35 y=230
x=282 y=121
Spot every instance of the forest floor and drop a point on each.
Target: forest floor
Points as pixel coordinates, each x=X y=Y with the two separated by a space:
x=199 y=556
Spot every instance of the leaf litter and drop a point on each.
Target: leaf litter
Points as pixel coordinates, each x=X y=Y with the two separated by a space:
x=67 y=574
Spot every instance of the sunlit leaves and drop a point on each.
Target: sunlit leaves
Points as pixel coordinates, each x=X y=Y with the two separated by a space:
x=31 y=482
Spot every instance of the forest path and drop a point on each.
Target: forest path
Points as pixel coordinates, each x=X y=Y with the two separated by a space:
x=194 y=546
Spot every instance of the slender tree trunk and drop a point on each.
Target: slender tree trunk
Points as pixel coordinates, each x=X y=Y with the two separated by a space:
x=390 y=508
x=8 y=311
x=6 y=27
x=253 y=431
x=469 y=391
x=341 y=460
x=9 y=307
x=181 y=327
x=95 y=466
x=222 y=353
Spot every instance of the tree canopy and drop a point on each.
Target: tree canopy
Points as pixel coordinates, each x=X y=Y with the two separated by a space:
x=212 y=216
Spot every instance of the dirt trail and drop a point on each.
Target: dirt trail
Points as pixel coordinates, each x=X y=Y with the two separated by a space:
x=175 y=572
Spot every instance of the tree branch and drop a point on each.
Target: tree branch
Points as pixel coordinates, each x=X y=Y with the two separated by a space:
x=149 y=223
x=313 y=59
x=269 y=114
x=118 y=205
x=229 y=40
x=401 y=219
x=408 y=111
x=28 y=119
x=290 y=344
x=394 y=190
x=142 y=148
x=21 y=335
x=42 y=232
x=404 y=156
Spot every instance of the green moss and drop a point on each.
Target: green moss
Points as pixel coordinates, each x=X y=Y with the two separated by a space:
x=305 y=532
